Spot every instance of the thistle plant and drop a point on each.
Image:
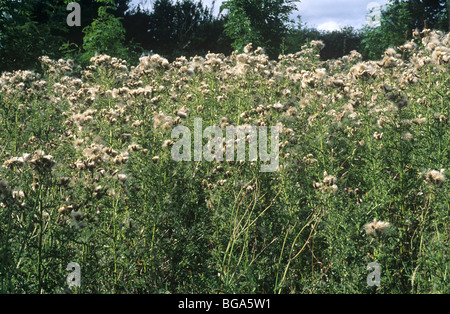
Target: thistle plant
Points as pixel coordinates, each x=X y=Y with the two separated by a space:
x=88 y=176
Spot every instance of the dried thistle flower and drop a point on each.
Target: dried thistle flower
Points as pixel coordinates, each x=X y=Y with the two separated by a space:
x=419 y=120
x=14 y=162
x=182 y=112
x=407 y=136
x=277 y=106
x=122 y=177
x=317 y=44
x=378 y=136
x=162 y=119
x=377 y=227
x=168 y=143
x=18 y=194
x=134 y=147
x=435 y=177
x=122 y=158
x=40 y=161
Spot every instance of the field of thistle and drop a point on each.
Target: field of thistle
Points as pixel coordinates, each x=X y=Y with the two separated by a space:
x=88 y=177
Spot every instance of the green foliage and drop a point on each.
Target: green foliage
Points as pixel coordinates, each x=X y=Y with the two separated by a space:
x=394 y=30
x=398 y=20
x=105 y=35
x=29 y=29
x=261 y=22
x=184 y=28
x=337 y=43
x=87 y=175
x=298 y=34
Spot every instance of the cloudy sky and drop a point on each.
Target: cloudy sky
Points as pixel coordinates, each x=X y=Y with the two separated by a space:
x=321 y=14
x=334 y=14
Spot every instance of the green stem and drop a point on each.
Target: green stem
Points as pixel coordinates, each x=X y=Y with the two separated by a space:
x=40 y=240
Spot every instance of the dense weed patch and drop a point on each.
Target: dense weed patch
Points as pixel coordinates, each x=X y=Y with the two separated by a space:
x=88 y=175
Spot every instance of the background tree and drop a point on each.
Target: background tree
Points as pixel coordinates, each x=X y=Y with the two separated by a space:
x=89 y=12
x=398 y=19
x=261 y=22
x=185 y=28
x=105 y=35
x=136 y=23
x=297 y=35
x=29 y=29
x=339 y=42
x=161 y=26
x=429 y=12
x=32 y=28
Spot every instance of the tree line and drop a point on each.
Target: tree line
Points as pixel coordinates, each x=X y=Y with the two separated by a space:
x=173 y=28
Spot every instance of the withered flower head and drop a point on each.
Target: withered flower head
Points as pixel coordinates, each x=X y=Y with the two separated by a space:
x=377 y=227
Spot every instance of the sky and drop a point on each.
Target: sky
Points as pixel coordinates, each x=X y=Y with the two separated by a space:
x=321 y=14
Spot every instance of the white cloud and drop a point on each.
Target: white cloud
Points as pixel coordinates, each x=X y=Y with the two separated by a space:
x=329 y=26
x=317 y=13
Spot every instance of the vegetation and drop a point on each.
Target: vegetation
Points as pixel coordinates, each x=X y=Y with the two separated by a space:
x=87 y=173
x=264 y=23
x=398 y=22
x=33 y=28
